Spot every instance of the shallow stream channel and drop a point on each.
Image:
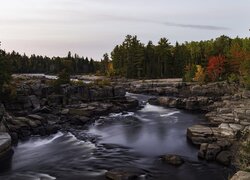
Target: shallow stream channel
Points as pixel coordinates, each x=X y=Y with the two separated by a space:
x=130 y=140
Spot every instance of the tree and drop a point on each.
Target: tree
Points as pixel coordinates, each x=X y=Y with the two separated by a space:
x=5 y=74
x=164 y=58
x=63 y=77
x=245 y=71
x=215 y=67
x=200 y=74
x=189 y=74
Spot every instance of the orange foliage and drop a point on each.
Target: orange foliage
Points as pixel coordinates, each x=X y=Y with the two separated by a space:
x=200 y=74
x=215 y=67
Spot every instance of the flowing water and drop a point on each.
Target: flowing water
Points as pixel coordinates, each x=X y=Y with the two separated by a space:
x=130 y=139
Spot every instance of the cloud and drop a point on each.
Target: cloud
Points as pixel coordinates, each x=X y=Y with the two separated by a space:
x=196 y=26
x=173 y=24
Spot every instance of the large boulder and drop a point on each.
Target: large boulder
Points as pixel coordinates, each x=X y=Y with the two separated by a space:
x=199 y=134
x=173 y=160
x=87 y=112
x=230 y=130
x=79 y=120
x=124 y=174
x=203 y=150
x=224 y=157
x=241 y=175
x=165 y=101
x=212 y=151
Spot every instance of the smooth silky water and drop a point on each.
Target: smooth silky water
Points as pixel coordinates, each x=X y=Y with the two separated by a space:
x=129 y=139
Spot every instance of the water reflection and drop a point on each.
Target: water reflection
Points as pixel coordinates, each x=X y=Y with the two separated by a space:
x=156 y=131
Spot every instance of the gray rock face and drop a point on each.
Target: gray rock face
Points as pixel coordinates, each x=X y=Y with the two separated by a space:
x=119 y=91
x=203 y=150
x=241 y=175
x=212 y=151
x=189 y=103
x=34 y=101
x=79 y=120
x=199 y=134
x=224 y=157
x=212 y=89
x=5 y=143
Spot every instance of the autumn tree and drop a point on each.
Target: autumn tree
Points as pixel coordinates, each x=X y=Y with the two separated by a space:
x=215 y=67
x=200 y=74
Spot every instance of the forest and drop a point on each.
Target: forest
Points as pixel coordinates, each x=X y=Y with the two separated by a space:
x=43 y=64
x=223 y=58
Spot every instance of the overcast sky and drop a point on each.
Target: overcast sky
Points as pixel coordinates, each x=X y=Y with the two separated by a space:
x=93 y=27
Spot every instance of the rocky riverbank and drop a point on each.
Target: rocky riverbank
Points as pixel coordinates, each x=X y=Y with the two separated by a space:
x=38 y=108
x=226 y=108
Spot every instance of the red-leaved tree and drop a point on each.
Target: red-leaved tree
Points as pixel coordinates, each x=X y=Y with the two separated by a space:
x=215 y=67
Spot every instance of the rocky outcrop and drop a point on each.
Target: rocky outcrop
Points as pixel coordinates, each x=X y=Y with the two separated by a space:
x=41 y=109
x=199 y=134
x=176 y=87
x=241 y=175
x=124 y=174
x=224 y=158
x=173 y=160
x=168 y=87
x=189 y=103
x=34 y=95
x=226 y=107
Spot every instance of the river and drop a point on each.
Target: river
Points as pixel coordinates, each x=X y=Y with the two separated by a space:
x=130 y=139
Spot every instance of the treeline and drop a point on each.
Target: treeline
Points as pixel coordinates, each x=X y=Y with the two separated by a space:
x=133 y=59
x=42 y=64
x=223 y=58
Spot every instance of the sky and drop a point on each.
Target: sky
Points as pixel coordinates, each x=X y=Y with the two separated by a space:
x=93 y=27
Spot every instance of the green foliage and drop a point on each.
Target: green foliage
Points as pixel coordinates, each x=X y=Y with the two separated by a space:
x=132 y=59
x=245 y=71
x=63 y=78
x=233 y=78
x=246 y=81
x=129 y=58
x=5 y=75
x=244 y=155
x=222 y=58
x=9 y=91
x=39 y=64
x=190 y=71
